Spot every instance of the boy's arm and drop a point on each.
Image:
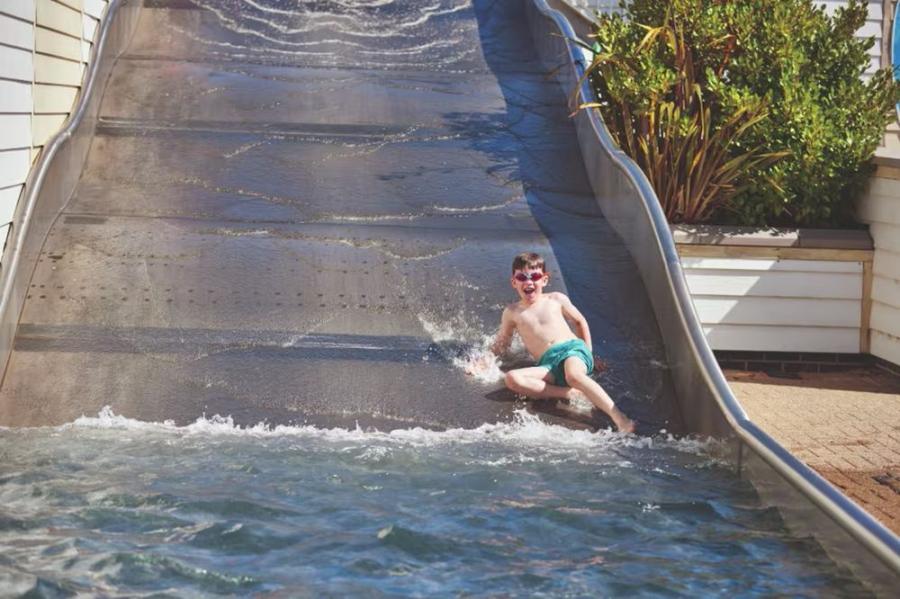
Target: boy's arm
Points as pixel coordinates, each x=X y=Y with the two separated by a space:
x=571 y=313
x=501 y=343
x=504 y=335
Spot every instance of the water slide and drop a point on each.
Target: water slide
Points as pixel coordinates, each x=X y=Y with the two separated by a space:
x=307 y=215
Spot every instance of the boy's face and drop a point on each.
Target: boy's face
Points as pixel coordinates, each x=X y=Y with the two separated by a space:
x=529 y=283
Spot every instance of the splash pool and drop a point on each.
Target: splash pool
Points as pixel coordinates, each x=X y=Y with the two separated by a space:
x=117 y=507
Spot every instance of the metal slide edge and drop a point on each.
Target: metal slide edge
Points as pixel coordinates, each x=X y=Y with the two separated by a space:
x=700 y=384
x=51 y=181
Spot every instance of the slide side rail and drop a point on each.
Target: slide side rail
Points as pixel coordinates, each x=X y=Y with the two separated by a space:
x=53 y=177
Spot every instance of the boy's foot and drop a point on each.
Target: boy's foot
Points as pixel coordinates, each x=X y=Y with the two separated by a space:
x=623 y=423
x=625 y=426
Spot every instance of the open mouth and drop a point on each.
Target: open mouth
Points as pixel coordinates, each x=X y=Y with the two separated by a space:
x=529 y=291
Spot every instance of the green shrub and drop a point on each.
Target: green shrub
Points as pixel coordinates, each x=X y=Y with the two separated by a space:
x=790 y=125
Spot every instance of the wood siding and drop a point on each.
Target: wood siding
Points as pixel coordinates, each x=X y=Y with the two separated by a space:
x=773 y=304
x=44 y=48
x=880 y=208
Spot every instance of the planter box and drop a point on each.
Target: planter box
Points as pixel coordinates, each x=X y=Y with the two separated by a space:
x=785 y=290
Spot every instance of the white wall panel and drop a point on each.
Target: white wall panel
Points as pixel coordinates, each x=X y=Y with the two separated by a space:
x=770 y=264
x=95 y=8
x=44 y=126
x=782 y=338
x=886 y=347
x=58 y=17
x=88 y=27
x=73 y=4
x=886 y=291
x=16 y=63
x=886 y=318
x=14 y=32
x=16 y=130
x=14 y=165
x=49 y=69
x=8 y=198
x=767 y=304
x=886 y=264
x=47 y=41
x=775 y=284
x=871 y=29
x=15 y=96
x=886 y=236
x=778 y=311
x=881 y=203
x=22 y=9
x=54 y=99
x=882 y=186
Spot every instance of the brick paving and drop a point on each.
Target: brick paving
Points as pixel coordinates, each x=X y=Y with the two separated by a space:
x=845 y=425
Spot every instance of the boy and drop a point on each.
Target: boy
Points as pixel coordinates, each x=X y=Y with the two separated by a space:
x=564 y=358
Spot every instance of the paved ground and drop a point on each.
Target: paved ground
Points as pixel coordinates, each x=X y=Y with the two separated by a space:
x=845 y=425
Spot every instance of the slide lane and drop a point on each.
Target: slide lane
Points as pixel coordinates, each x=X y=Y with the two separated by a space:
x=306 y=213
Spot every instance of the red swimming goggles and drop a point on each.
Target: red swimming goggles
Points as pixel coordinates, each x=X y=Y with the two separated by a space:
x=534 y=277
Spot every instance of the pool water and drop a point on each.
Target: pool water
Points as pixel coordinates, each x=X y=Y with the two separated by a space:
x=116 y=507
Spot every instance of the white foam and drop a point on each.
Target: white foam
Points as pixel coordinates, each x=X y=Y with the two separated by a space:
x=233 y=24
x=482 y=365
x=479 y=361
x=525 y=431
x=349 y=24
x=244 y=148
x=475 y=209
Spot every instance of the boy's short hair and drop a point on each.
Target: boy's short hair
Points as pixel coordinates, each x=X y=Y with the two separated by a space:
x=528 y=260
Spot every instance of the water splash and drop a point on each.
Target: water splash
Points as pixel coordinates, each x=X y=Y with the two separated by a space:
x=472 y=346
x=526 y=431
x=424 y=37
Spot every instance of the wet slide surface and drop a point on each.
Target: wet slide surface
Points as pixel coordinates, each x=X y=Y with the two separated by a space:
x=308 y=215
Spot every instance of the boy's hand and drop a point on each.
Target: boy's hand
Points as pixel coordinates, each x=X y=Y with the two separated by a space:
x=479 y=363
x=600 y=364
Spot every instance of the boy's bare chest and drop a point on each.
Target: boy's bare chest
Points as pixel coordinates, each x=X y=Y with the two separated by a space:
x=540 y=316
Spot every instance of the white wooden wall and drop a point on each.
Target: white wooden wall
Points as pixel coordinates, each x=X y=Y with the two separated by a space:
x=44 y=48
x=766 y=304
x=872 y=28
x=880 y=208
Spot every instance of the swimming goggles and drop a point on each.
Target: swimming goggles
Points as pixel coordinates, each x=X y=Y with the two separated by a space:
x=535 y=276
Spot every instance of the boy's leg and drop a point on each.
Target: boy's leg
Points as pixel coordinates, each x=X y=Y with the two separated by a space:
x=535 y=382
x=577 y=376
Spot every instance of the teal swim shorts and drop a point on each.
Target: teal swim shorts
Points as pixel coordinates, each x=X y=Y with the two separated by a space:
x=554 y=358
